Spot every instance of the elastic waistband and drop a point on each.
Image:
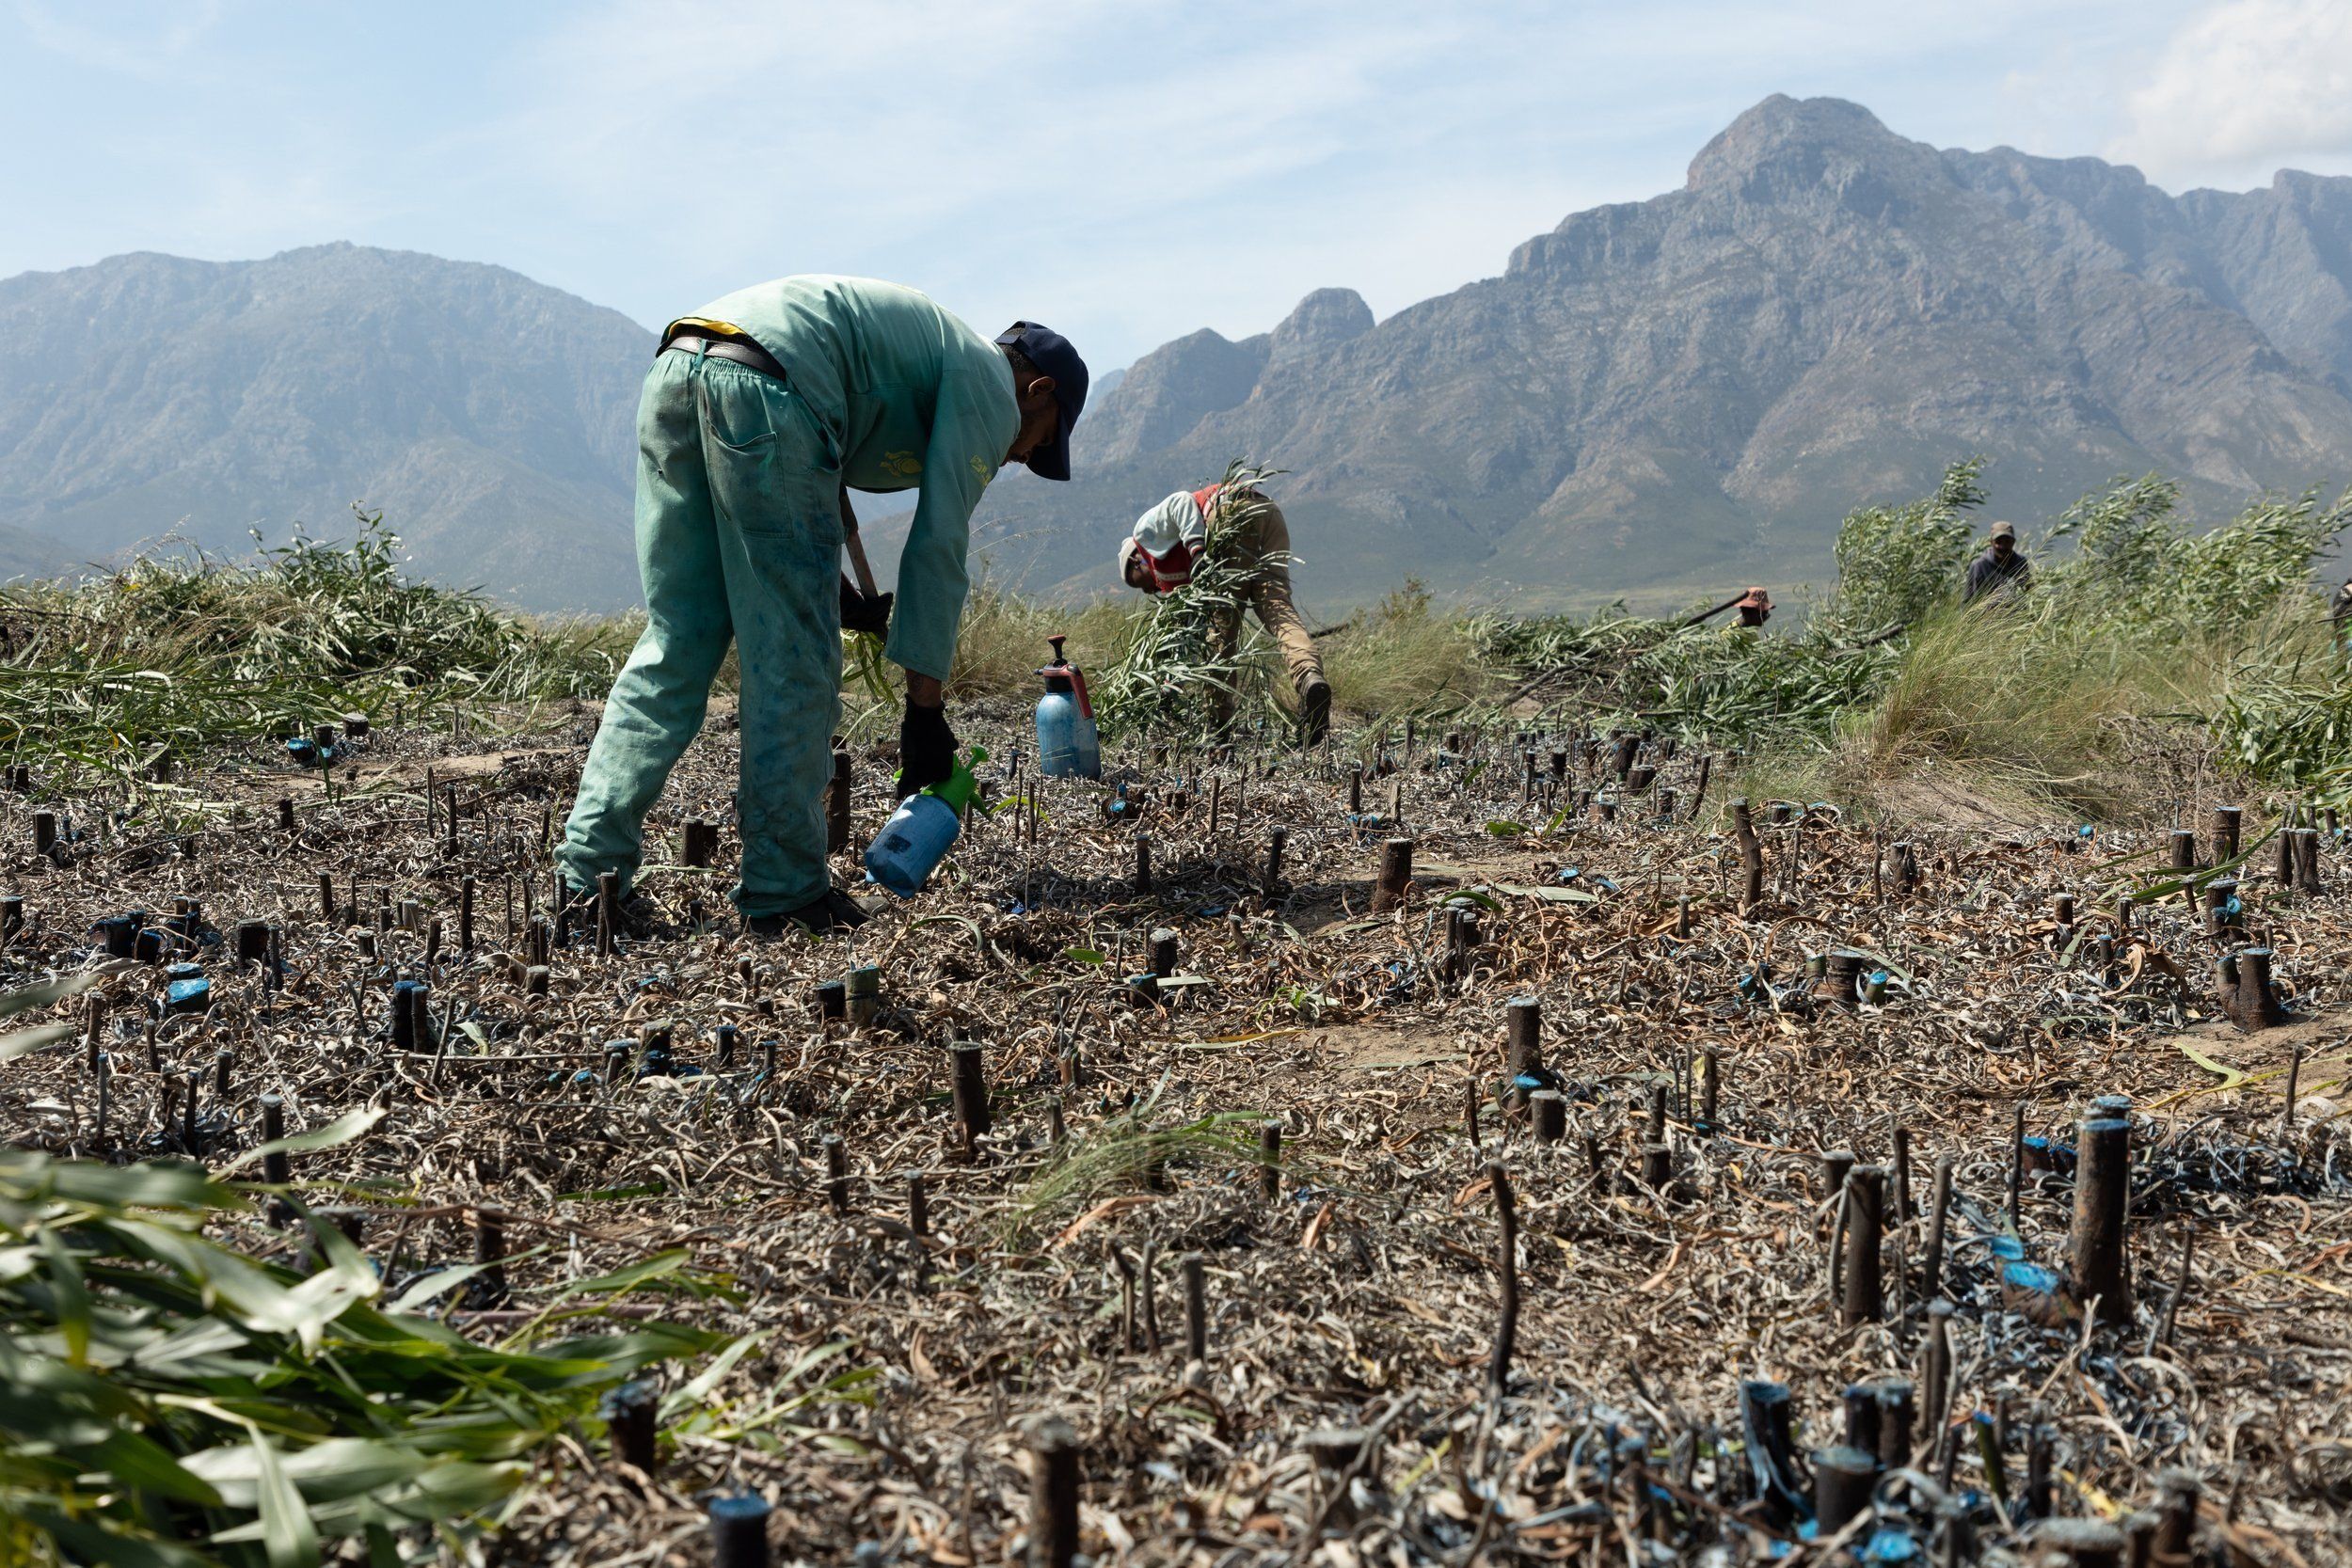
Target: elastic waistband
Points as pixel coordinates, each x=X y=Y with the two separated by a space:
x=741 y=350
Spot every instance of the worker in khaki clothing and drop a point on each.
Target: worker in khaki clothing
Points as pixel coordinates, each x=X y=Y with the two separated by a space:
x=1168 y=543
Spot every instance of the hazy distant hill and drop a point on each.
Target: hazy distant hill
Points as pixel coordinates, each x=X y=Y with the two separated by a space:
x=1691 y=389
x=489 y=416
x=1654 y=397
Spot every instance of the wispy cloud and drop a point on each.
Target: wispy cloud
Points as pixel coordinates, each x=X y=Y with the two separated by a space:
x=1126 y=169
x=135 y=38
x=898 y=119
x=1161 y=165
x=2244 y=87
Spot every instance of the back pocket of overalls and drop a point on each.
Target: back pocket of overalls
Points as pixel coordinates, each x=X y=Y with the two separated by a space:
x=771 y=476
x=744 y=409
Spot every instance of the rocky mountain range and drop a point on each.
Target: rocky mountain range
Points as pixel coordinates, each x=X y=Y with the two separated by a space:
x=1686 y=393
x=490 y=417
x=1654 y=399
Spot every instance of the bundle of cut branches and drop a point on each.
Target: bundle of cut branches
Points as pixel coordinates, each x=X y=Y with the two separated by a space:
x=1186 y=669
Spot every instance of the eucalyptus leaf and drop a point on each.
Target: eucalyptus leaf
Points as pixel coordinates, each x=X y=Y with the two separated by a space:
x=350 y=1125
x=662 y=1265
x=45 y=994
x=287 y=1534
x=25 y=1041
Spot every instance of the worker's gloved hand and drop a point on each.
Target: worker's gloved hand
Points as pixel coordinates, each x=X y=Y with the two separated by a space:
x=866 y=613
x=927 y=749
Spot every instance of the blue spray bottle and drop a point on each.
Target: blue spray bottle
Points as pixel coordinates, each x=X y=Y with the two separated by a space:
x=1067 y=747
x=920 y=833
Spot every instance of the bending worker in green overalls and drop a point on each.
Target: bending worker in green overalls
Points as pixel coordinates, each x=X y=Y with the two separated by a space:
x=759 y=410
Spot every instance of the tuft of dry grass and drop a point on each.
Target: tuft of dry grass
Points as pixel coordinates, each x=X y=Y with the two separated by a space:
x=2005 y=693
x=1003 y=640
x=1405 y=656
x=2032 y=710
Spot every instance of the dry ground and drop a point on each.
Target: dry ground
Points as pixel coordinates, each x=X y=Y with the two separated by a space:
x=883 y=1406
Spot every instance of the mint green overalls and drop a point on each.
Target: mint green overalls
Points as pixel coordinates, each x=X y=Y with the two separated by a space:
x=738 y=538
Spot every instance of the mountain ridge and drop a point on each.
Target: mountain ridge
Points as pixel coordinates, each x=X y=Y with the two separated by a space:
x=1651 y=399
x=490 y=417
x=1691 y=389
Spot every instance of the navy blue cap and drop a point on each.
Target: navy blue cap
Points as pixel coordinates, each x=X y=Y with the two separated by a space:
x=1050 y=353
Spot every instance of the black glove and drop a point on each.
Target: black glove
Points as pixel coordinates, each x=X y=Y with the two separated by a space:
x=927 y=749
x=868 y=612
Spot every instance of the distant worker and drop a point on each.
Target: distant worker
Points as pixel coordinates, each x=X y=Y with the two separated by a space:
x=1753 y=604
x=2000 y=569
x=2339 y=612
x=760 y=411
x=1167 y=541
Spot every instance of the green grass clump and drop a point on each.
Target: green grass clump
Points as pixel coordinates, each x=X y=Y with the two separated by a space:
x=1002 y=642
x=2014 y=703
x=1128 y=1154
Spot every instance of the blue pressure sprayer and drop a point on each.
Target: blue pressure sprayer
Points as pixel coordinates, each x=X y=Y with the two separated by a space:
x=1067 y=747
x=920 y=833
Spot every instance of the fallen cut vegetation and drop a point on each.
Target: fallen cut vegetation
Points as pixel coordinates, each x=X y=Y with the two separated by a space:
x=2146 y=646
x=174 y=1401
x=110 y=676
x=2151 y=648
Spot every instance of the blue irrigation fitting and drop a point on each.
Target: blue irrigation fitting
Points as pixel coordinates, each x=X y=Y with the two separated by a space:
x=2027 y=1280
x=185 y=990
x=2028 y=1289
x=1891 y=1542
x=661 y=1062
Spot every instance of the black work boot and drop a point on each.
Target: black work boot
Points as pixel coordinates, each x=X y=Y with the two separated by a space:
x=836 y=912
x=1314 y=713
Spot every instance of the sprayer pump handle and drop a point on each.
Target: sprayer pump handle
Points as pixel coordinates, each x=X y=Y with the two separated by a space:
x=1056 y=641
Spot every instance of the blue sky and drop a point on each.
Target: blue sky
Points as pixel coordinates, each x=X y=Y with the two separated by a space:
x=1126 y=172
